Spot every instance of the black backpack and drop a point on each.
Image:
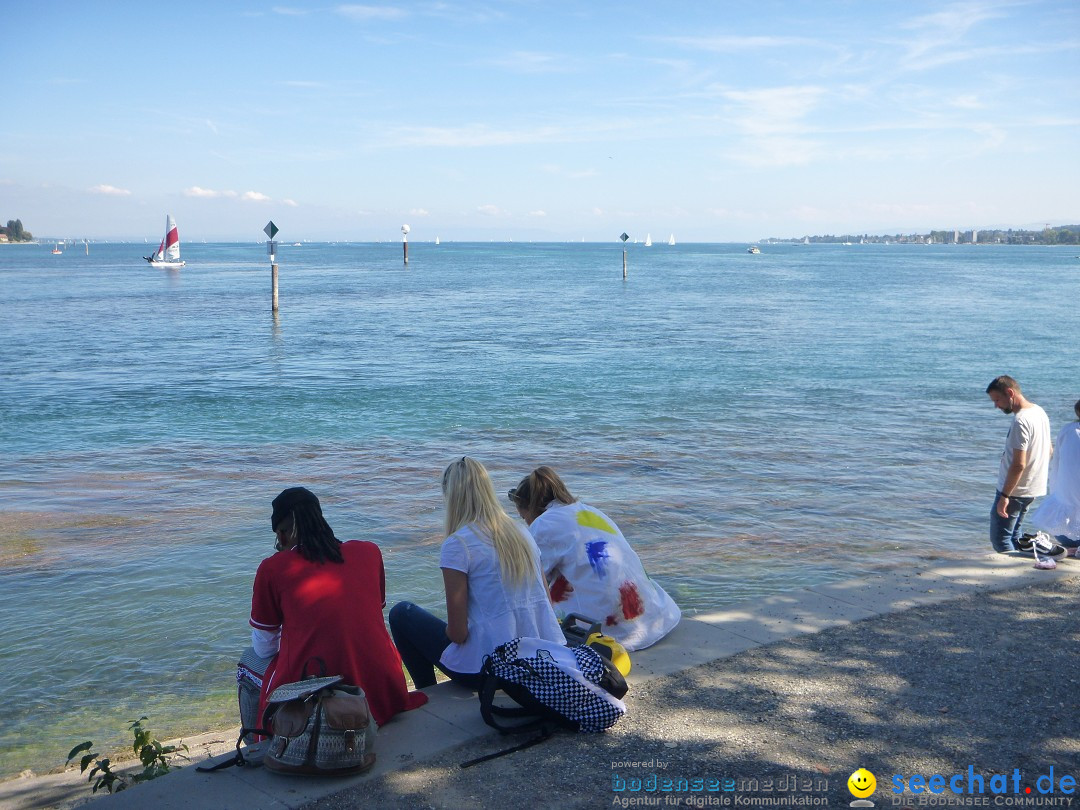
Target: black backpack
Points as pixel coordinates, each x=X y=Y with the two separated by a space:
x=554 y=686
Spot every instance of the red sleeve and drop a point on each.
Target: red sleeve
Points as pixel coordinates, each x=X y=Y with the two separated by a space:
x=265 y=606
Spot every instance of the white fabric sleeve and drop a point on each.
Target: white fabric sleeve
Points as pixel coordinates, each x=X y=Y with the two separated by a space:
x=454 y=555
x=266 y=642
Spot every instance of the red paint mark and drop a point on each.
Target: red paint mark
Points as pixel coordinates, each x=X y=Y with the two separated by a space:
x=560 y=589
x=1027 y=790
x=630 y=599
x=611 y=621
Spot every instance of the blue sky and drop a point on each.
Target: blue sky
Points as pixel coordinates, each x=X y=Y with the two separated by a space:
x=539 y=120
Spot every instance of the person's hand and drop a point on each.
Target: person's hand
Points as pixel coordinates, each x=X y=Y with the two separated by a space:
x=1003 y=507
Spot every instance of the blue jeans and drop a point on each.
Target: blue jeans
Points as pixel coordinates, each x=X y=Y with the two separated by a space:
x=421 y=639
x=1004 y=532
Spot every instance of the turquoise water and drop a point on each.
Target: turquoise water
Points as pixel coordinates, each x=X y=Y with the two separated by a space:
x=754 y=423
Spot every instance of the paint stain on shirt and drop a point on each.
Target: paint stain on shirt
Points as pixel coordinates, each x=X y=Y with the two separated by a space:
x=630 y=601
x=560 y=589
x=592 y=520
x=598 y=556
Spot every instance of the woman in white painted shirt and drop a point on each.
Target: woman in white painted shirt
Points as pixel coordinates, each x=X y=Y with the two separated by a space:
x=591 y=570
x=494 y=589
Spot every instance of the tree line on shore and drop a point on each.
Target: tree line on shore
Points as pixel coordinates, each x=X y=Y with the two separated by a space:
x=1063 y=235
x=15 y=232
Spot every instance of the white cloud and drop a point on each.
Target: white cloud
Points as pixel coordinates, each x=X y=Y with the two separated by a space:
x=418 y=212
x=774 y=109
x=111 y=191
x=365 y=13
x=538 y=213
x=290 y=203
x=969 y=101
x=534 y=62
x=290 y=12
x=730 y=44
x=196 y=191
x=479 y=135
x=211 y=194
x=573 y=174
x=300 y=83
x=488 y=210
x=212 y=126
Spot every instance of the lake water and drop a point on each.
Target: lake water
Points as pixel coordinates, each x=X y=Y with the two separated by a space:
x=754 y=423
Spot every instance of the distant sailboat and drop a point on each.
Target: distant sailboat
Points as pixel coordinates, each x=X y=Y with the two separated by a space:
x=168 y=252
x=436 y=240
x=648 y=240
x=671 y=240
x=56 y=250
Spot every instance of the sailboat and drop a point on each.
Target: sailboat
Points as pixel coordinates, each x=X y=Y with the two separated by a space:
x=648 y=240
x=436 y=240
x=56 y=250
x=671 y=240
x=168 y=252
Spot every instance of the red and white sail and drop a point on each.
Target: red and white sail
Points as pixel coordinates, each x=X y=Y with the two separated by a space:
x=169 y=250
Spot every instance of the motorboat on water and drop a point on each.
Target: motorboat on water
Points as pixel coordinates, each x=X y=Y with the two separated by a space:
x=753 y=249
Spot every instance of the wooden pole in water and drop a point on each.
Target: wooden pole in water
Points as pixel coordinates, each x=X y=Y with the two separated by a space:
x=273 y=284
x=405 y=243
x=623 y=236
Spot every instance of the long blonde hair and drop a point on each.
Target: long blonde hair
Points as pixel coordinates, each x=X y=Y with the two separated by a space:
x=470 y=498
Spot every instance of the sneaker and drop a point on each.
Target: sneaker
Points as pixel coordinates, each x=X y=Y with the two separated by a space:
x=1026 y=542
x=1046 y=547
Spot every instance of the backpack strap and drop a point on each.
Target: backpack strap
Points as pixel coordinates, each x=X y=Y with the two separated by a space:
x=546 y=731
x=489 y=711
x=237 y=759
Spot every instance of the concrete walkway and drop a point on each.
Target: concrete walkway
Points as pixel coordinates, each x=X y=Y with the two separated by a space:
x=449 y=728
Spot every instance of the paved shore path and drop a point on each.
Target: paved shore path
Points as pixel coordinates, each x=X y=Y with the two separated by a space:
x=963 y=664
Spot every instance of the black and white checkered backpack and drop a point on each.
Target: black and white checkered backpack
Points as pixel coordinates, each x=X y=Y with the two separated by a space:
x=568 y=687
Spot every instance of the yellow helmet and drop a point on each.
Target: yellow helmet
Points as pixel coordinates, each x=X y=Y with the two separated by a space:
x=613 y=651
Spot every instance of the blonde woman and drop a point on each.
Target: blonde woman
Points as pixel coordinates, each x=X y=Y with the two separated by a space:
x=494 y=589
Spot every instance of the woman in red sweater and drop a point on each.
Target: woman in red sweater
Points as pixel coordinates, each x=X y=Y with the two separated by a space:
x=317 y=607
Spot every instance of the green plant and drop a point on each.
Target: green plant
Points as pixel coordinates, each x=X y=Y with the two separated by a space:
x=152 y=754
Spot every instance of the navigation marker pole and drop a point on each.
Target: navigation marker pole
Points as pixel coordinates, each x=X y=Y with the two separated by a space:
x=624 y=237
x=405 y=242
x=271 y=230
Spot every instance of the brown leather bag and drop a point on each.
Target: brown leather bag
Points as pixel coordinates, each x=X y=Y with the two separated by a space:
x=319 y=726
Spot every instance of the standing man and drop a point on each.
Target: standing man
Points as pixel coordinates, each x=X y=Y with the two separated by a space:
x=1024 y=464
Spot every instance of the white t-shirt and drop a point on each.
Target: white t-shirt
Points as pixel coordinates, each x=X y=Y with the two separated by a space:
x=497 y=613
x=593 y=572
x=1030 y=431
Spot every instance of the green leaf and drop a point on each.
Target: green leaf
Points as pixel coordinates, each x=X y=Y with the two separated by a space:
x=86 y=746
x=86 y=760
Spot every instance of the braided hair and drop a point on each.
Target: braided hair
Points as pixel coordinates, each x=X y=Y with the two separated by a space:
x=298 y=516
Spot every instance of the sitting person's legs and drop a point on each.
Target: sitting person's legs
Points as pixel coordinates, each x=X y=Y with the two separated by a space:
x=421 y=638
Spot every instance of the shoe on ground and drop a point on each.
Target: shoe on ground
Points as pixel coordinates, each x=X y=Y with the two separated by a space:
x=1048 y=548
x=1026 y=542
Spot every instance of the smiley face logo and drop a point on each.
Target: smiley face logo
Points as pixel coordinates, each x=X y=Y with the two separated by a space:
x=861 y=783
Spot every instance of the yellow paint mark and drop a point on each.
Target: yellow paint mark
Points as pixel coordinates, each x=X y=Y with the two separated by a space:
x=594 y=521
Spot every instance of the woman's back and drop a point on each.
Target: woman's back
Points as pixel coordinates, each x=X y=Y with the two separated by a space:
x=593 y=571
x=333 y=612
x=497 y=612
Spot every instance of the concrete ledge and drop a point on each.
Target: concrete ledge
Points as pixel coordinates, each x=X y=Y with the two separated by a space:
x=452 y=718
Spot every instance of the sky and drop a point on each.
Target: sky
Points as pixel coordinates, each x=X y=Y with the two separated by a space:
x=547 y=121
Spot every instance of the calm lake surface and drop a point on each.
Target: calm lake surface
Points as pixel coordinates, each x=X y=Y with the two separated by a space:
x=755 y=424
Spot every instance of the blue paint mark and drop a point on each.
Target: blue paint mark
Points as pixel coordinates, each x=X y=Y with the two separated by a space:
x=598 y=556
